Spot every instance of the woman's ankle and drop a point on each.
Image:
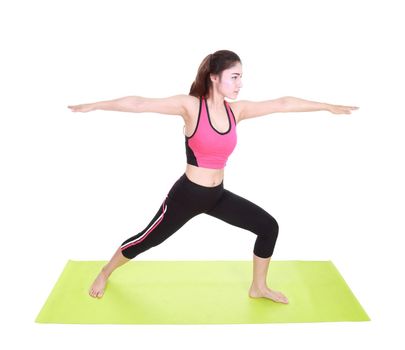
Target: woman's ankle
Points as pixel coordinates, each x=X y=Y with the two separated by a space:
x=258 y=286
x=106 y=272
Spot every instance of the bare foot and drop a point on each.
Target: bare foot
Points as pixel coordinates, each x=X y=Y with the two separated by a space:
x=97 y=288
x=274 y=295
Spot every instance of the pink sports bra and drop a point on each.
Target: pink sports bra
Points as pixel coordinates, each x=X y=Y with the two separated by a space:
x=208 y=147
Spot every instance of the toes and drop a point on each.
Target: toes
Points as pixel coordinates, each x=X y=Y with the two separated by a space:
x=280 y=297
x=93 y=292
x=284 y=299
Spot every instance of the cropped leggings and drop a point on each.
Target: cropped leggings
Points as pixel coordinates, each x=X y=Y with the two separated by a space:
x=187 y=199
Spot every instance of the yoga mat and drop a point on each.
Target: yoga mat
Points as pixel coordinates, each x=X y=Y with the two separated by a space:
x=200 y=292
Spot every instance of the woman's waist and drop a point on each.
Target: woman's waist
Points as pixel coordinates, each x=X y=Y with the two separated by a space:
x=204 y=176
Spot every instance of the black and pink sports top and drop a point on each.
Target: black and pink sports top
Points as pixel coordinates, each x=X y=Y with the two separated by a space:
x=208 y=147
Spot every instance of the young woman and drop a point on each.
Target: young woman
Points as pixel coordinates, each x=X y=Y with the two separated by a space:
x=210 y=137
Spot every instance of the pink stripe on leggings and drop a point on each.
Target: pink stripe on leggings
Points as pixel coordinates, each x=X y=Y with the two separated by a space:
x=148 y=231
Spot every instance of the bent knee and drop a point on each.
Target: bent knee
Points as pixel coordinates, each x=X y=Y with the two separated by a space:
x=273 y=224
x=268 y=226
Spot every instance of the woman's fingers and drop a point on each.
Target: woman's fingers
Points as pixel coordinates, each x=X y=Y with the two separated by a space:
x=81 y=108
x=338 y=109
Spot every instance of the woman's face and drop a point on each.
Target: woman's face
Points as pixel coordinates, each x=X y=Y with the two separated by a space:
x=230 y=82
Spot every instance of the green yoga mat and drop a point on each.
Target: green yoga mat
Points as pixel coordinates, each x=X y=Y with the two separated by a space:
x=200 y=292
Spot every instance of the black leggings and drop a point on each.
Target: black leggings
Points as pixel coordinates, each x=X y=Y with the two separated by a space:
x=187 y=199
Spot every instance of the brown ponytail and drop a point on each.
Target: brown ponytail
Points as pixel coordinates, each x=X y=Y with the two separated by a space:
x=212 y=64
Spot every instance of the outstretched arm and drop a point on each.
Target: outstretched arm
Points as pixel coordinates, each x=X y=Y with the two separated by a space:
x=294 y=104
x=252 y=109
x=174 y=105
x=123 y=104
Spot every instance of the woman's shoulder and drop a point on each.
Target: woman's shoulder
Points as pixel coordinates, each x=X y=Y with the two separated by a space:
x=192 y=105
x=236 y=107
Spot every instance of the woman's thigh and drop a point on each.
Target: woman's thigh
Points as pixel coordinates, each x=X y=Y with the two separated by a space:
x=241 y=212
x=184 y=201
x=169 y=218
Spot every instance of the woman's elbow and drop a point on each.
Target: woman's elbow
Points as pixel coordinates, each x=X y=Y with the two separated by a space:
x=130 y=104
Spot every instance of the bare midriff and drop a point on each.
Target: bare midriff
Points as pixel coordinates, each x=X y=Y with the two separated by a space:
x=204 y=176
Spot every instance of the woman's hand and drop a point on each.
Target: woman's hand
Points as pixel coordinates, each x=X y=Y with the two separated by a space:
x=338 y=109
x=82 y=108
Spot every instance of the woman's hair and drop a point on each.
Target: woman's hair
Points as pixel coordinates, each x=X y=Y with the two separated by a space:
x=212 y=64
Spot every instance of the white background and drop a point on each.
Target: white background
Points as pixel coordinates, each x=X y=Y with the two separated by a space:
x=75 y=185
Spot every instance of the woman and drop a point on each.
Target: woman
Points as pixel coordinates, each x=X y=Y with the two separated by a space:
x=210 y=137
